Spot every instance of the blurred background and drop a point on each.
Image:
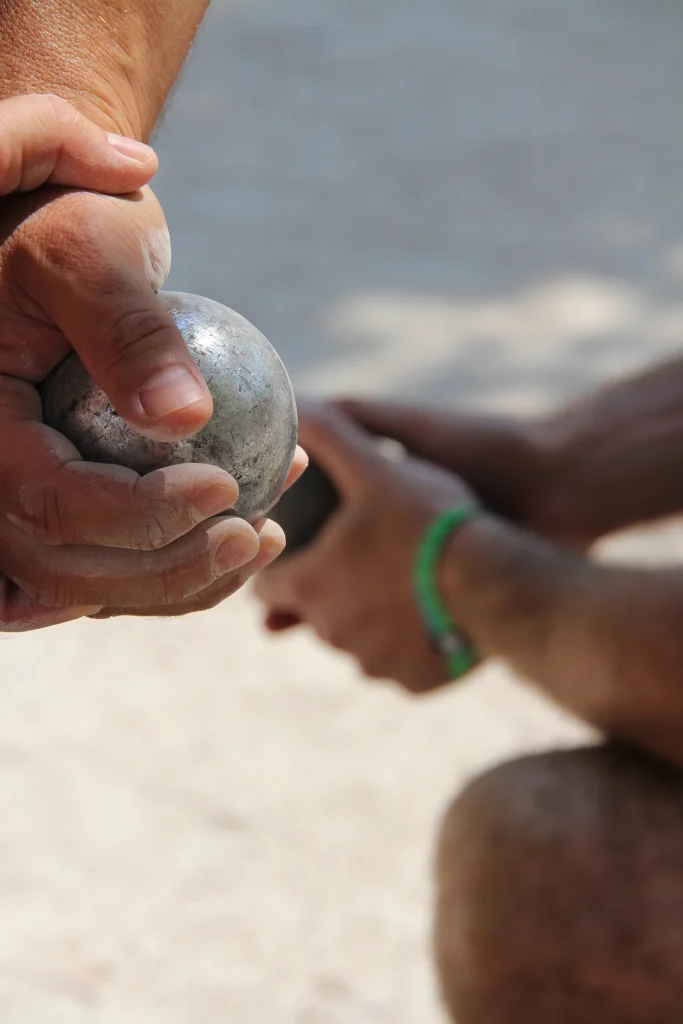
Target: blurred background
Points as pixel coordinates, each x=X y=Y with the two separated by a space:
x=473 y=203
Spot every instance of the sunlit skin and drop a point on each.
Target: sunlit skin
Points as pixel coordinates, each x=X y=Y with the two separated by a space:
x=83 y=248
x=559 y=875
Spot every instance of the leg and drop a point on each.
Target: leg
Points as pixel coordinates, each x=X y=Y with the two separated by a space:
x=560 y=892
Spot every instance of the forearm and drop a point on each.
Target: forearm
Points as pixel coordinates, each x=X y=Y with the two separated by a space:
x=604 y=642
x=116 y=60
x=614 y=459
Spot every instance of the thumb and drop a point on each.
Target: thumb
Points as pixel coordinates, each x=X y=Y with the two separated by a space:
x=339 y=446
x=45 y=139
x=91 y=265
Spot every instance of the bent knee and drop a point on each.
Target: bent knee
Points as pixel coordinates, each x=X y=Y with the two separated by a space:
x=559 y=874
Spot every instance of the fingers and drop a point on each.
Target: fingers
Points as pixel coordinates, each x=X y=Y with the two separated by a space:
x=44 y=139
x=52 y=495
x=83 y=503
x=61 y=500
x=54 y=509
x=272 y=543
x=416 y=428
x=90 y=263
x=61 y=577
x=18 y=613
x=297 y=469
x=339 y=446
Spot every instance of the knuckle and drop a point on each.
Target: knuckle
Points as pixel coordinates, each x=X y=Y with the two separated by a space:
x=160 y=514
x=54 y=110
x=175 y=586
x=69 y=238
x=156 y=535
x=45 y=585
x=151 y=535
x=49 y=520
x=47 y=590
x=81 y=237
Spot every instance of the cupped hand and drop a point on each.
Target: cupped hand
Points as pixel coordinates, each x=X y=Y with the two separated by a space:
x=353 y=583
x=80 y=270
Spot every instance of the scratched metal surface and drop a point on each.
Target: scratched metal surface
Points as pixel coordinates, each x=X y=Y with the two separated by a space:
x=252 y=434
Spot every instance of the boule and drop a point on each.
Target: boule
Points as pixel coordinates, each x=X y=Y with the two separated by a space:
x=252 y=433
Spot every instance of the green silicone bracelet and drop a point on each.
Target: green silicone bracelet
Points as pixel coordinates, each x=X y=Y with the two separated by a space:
x=459 y=654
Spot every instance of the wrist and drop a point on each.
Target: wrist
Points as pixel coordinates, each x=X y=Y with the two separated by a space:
x=496 y=578
x=445 y=634
x=461 y=568
x=104 y=76
x=483 y=573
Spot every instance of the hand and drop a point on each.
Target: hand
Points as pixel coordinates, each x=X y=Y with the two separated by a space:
x=353 y=583
x=512 y=465
x=78 y=269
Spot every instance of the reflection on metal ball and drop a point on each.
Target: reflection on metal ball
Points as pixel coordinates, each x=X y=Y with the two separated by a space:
x=252 y=434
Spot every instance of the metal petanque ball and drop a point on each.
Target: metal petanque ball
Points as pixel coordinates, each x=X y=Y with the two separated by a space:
x=252 y=434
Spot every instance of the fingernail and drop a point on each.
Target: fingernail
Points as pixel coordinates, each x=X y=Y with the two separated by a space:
x=272 y=542
x=131 y=149
x=233 y=553
x=170 y=391
x=213 y=501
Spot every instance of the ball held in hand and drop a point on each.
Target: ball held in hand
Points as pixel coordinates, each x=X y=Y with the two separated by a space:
x=253 y=431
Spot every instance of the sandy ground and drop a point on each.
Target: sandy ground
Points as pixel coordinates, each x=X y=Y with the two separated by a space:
x=478 y=203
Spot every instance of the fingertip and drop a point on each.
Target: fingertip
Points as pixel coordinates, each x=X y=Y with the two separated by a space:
x=214 y=498
x=273 y=540
x=300 y=458
x=133 y=164
x=123 y=334
x=238 y=545
x=131 y=151
x=272 y=543
x=297 y=469
x=175 y=403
